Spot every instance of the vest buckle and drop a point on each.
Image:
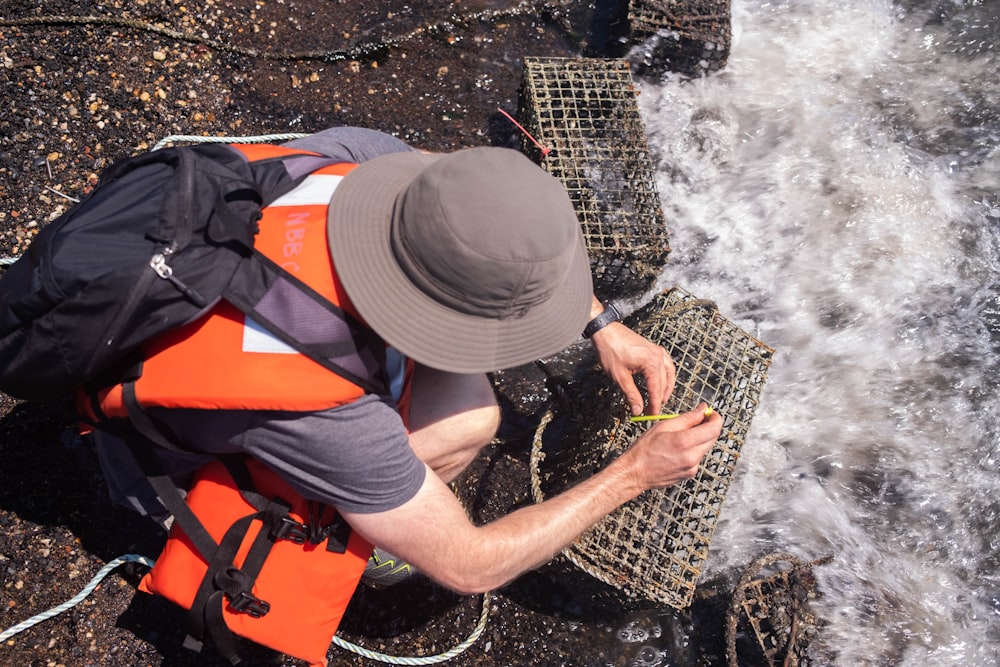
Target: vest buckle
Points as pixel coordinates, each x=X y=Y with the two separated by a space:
x=248 y=603
x=289 y=529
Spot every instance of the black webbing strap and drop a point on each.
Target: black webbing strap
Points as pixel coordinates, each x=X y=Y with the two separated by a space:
x=139 y=441
x=271 y=517
x=237 y=468
x=211 y=596
x=337 y=532
x=143 y=422
x=225 y=584
x=260 y=284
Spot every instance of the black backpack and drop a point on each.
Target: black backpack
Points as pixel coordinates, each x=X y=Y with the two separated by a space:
x=162 y=238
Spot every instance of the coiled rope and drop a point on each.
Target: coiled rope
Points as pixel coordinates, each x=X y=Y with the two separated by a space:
x=423 y=660
x=337 y=641
x=76 y=599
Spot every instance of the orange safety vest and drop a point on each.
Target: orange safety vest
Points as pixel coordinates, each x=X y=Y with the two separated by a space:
x=223 y=361
x=302 y=588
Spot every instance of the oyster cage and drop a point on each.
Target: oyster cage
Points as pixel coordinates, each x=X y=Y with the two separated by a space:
x=585 y=113
x=691 y=36
x=771 y=603
x=655 y=545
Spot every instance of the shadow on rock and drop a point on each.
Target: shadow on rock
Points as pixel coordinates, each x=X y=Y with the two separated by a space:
x=52 y=478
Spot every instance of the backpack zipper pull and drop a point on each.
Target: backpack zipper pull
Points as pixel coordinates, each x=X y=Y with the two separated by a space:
x=165 y=271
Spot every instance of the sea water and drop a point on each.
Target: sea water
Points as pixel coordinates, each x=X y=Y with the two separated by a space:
x=835 y=190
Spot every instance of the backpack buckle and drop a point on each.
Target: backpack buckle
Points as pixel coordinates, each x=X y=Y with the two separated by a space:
x=289 y=529
x=248 y=603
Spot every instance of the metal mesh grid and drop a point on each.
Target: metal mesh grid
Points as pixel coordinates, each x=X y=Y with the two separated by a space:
x=770 y=622
x=656 y=545
x=584 y=111
x=774 y=609
x=693 y=35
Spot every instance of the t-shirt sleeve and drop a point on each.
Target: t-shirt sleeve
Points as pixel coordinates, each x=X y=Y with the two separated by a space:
x=351 y=144
x=356 y=457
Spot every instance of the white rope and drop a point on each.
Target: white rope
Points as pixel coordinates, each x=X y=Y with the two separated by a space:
x=199 y=139
x=423 y=660
x=78 y=598
x=337 y=641
x=193 y=139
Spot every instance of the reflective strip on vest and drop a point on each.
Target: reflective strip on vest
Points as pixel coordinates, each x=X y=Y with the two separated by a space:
x=315 y=190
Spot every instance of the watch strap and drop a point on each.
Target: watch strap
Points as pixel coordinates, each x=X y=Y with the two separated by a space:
x=608 y=315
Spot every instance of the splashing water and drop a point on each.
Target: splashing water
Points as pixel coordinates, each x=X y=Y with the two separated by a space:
x=835 y=191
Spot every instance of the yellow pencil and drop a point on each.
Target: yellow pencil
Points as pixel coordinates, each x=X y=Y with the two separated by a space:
x=652 y=418
x=656 y=418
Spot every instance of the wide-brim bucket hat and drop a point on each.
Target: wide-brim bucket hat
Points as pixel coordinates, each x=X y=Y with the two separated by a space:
x=466 y=262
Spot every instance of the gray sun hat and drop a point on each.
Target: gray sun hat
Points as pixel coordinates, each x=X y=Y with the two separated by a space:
x=465 y=262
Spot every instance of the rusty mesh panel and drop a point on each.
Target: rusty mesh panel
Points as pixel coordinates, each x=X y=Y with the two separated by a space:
x=584 y=111
x=772 y=604
x=692 y=36
x=656 y=545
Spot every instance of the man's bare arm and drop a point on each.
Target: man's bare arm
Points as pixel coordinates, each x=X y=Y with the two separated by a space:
x=432 y=531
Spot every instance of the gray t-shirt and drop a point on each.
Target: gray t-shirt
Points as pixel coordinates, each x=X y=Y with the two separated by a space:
x=351 y=144
x=356 y=457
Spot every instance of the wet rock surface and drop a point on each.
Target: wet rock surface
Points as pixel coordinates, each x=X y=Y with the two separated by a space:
x=80 y=94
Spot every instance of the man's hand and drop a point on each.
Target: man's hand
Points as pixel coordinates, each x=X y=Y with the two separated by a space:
x=671 y=451
x=623 y=353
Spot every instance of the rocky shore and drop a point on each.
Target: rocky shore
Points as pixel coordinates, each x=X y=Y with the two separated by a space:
x=87 y=83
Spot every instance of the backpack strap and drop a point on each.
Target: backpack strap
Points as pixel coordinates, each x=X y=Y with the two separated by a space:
x=139 y=440
x=263 y=290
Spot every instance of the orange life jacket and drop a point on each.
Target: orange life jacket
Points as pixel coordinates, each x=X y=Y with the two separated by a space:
x=224 y=360
x=299 y=595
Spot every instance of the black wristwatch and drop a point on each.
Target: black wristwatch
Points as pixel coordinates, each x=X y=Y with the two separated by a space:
x=608 y=315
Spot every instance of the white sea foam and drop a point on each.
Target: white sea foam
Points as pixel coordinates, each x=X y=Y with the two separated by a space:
x=832 y=191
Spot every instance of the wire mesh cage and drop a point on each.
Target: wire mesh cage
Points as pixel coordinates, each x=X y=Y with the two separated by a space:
x=689 y=36
x=655 y=546
x=584 y=112
x=771 y=604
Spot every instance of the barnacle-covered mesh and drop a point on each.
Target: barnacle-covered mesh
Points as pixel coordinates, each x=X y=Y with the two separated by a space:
x=772 y=604
x=688 y=36
x=655 y=546
x=584 y=112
